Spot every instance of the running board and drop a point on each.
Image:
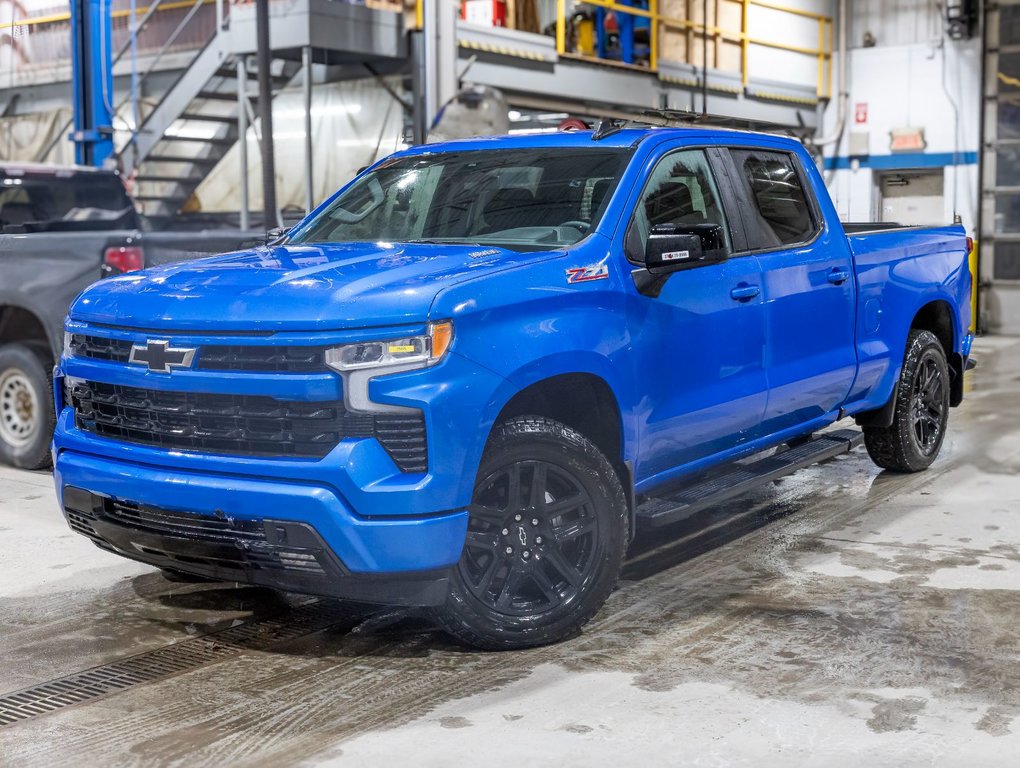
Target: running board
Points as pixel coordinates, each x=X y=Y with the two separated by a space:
x=741 y=477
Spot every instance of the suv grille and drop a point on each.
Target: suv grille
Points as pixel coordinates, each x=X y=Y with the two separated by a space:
x=247 y=425
x=262 y=359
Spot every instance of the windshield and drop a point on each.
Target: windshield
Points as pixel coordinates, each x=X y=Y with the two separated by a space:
x=522 y=199
x=63 y=202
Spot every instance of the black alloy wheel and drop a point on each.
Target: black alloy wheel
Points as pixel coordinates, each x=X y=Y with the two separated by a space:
x=547 y=531
x=921 y=409
x=533 y=539
x=928 y=405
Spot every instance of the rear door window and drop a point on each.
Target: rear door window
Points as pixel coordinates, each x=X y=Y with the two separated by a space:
x=780 y=212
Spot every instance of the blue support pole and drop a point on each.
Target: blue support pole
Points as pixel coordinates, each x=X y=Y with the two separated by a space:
x=92 y=81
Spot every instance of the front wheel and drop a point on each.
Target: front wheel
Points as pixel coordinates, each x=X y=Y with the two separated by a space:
x=912 y=442
x=546 y=537
x=26 y=408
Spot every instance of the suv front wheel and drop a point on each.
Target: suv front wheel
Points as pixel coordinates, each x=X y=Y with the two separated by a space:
x=546 y=538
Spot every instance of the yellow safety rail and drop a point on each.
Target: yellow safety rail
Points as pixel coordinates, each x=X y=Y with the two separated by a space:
x=823 y=53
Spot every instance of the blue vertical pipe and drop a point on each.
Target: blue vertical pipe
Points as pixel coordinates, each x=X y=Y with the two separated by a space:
x=92 y=81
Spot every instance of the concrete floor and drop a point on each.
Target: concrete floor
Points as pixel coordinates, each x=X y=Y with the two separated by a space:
x=838 y=617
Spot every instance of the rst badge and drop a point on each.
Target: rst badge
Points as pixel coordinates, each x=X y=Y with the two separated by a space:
x=587 y=274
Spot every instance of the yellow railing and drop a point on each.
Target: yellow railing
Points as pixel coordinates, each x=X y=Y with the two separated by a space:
x=743 y=37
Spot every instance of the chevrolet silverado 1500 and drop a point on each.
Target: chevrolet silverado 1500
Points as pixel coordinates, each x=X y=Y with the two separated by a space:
x=466 y=378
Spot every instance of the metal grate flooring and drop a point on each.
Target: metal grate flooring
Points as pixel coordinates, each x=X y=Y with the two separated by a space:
x=163 y=662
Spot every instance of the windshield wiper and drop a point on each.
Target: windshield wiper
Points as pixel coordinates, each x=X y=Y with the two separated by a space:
x=442 y=241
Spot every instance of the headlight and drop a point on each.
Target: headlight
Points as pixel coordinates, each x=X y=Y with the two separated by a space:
x=406 y=353
x=68 y=336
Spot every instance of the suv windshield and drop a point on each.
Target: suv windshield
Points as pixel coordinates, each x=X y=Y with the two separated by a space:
x=522 y=199
x=63 y=202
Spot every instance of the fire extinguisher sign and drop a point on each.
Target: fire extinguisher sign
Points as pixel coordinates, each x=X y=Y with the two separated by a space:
x=861 y=112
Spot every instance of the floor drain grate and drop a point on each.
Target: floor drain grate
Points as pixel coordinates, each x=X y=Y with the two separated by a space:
x=163 y=662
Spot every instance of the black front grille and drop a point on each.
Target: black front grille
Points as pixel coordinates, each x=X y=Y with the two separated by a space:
x=215 y=357
x=247 y=425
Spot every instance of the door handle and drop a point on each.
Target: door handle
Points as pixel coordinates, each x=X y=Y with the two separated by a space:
x=838 y=276
x=744 y=292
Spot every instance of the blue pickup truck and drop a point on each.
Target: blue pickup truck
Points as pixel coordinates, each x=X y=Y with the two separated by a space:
x=466 y=379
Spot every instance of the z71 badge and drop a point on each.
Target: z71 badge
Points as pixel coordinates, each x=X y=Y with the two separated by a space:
x=587 y=274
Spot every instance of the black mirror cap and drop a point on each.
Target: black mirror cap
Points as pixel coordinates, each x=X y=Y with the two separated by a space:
x=672 y=247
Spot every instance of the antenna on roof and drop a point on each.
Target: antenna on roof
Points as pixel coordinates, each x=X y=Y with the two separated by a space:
x=607 y=128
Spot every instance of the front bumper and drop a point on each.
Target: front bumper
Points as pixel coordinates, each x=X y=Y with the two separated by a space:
x=291 y=536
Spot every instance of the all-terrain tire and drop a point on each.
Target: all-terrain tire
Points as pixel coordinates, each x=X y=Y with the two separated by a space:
x=545 y=543
x=913 y=441
x=26 y=407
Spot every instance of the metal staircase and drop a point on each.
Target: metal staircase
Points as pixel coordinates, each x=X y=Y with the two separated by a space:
x=193 y=127
x=201 y=115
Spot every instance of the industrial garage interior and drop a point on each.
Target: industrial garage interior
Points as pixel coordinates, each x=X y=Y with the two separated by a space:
x=524 y=382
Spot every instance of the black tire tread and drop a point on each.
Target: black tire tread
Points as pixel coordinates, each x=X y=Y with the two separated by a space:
x=891 y=447
x=538 y=427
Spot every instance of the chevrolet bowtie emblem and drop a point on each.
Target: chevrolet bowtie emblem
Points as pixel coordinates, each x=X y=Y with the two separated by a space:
x=159 y=356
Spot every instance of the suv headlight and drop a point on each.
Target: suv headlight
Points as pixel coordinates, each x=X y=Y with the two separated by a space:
x=361 y=362
x=406 y=353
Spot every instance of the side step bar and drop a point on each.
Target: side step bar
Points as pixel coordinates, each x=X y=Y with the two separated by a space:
x=741 y=477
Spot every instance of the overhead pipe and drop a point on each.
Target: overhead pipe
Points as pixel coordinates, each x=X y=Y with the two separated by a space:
x=843 y=96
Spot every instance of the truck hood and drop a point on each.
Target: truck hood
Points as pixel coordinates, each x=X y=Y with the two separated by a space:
x=294 y=287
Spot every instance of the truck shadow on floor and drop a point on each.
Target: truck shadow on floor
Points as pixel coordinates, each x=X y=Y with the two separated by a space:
x=380 y=630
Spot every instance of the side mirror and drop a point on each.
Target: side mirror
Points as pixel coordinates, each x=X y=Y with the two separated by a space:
x=673 y=247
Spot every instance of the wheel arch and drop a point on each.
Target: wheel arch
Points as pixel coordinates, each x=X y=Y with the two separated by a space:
x=585 y=402
x=937 y=316
x=19 y=324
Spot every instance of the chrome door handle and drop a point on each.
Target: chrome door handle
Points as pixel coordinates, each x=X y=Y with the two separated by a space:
x=744 y=292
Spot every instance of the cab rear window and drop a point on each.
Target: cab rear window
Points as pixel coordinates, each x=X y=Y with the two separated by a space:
x=54 y=202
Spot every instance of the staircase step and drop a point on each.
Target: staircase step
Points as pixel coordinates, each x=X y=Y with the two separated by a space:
x=208 y=118
x=177 y=159
x=217 y=140
x=741 y=477
x=167 y=179
x=217 y=96
x=278 y=81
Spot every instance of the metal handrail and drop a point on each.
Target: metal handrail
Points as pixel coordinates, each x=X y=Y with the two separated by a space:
x=147 y=13
x=743 y=37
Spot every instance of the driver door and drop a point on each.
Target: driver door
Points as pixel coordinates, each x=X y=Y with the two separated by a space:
x=700 y=344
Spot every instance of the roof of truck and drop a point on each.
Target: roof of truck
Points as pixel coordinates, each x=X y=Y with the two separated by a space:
x=626 y=137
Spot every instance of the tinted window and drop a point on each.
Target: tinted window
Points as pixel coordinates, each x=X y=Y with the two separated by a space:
x=680 y=190
x=515 y=198
x=780 y=211
x=63 y=201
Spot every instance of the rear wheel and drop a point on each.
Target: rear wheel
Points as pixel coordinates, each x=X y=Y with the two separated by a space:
x=26 y=407
x=915 y=437
x=545 y=542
